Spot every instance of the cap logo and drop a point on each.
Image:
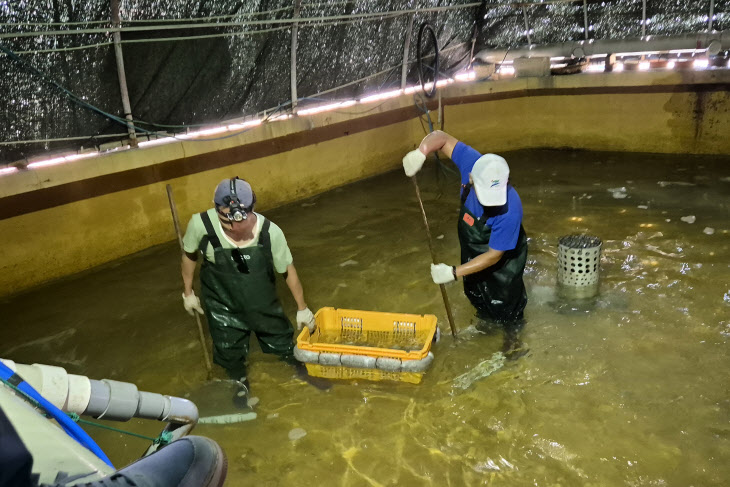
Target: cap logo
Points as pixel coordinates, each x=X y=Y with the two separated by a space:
x=495 y=182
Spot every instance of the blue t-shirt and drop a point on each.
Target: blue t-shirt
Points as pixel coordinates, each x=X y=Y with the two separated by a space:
x=506 y=223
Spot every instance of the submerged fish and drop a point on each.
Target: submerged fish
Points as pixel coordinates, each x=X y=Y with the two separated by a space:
x=480 y=371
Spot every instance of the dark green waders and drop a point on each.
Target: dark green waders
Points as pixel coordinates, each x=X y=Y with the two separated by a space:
x=237 y=303
x=498 y=292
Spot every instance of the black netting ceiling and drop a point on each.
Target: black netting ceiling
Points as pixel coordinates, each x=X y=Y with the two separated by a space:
x=191 y=62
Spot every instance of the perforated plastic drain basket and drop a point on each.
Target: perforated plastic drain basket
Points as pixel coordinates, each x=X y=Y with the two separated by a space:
x=381 y=346
x=579 y=261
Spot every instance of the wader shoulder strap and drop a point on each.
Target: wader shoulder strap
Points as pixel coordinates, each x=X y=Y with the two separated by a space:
x=465 y=190
x=210 y=235
x=264 y=237
x=265 y=244
x=465 y=193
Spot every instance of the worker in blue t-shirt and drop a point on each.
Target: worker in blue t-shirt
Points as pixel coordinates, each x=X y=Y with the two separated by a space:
x=493 y=242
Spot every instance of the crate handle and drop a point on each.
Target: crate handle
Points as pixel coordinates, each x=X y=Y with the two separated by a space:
x=351 y=324
x=404 y=327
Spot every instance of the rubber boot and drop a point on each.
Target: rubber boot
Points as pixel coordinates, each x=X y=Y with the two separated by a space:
x=242 y=394
x=192 y=461
x=513 y=347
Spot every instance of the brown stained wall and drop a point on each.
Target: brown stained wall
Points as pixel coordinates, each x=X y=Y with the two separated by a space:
x=59 y=220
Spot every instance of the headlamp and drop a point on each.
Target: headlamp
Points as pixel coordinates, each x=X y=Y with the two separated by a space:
x=237 y=212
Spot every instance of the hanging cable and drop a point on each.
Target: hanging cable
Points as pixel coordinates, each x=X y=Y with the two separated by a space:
x=190 y=38
x=208 y=19
x=189 y=19
x=71 y=96
x=268 y=111
x=303 y=20
x=76 y=99
x=434 y=67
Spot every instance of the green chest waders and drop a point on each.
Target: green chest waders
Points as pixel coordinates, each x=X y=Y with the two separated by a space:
x=240 y=298
x=498 y=292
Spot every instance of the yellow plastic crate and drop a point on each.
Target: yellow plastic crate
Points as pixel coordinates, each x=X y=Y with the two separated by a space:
x=369 y=333
x=342 y=372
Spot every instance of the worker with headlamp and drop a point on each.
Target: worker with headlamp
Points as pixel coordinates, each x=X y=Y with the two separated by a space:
x=242 y=252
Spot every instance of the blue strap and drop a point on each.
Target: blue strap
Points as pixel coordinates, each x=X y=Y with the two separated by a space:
x=73 y=430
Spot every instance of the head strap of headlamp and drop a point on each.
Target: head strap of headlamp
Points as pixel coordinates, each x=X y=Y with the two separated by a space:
x=238 y=212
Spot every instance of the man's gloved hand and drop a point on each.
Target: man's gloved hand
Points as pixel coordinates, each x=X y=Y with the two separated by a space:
x=442 y=273
x=192 y=304
x=305 y=318
x=412 y=162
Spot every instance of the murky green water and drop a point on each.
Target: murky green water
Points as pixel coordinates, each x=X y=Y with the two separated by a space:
x=628 y=389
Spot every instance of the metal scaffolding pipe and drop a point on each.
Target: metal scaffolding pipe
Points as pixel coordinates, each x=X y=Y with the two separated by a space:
x=712 y=42
x=527 y=25
x=406 y=47
x=294 y=34
x=116 y=22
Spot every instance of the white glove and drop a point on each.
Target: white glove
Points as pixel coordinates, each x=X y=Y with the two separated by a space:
x=442 y=273
x=305 y=318
x=412 y=162
x=192 y=304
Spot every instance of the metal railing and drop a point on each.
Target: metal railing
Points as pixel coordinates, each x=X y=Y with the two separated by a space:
x=115 y=26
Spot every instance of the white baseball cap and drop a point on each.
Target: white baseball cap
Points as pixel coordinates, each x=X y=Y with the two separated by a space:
x=490 y=175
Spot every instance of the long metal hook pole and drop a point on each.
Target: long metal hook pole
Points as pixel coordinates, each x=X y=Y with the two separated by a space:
x=201 y=335
x=433 y=258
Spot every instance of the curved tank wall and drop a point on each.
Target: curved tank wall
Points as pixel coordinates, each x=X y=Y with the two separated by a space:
x=62 y=219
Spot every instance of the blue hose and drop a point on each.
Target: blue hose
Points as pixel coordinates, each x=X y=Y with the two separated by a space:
x=74 y=431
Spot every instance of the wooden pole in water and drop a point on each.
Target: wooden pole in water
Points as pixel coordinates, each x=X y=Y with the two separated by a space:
x=433 y=258
x=201 y=335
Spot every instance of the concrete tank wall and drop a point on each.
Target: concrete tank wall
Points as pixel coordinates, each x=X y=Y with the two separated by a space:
x=58 y=220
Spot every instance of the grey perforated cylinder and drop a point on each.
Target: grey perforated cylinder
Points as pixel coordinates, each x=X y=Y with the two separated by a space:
x=418 y=365
x=388 y=364
x=579 y=263
x=326 y=358
x=358 y=361
x=306 y=356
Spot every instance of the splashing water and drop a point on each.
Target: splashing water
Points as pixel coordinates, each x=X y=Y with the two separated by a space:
x=480 y=371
